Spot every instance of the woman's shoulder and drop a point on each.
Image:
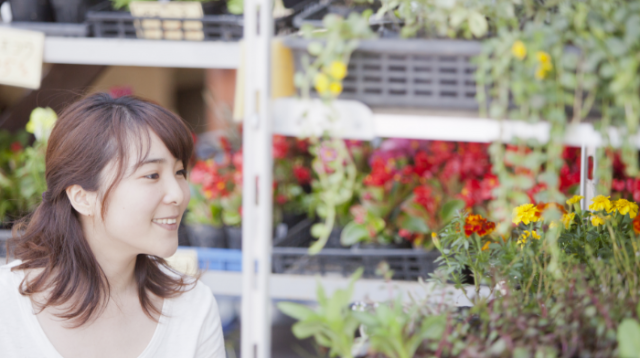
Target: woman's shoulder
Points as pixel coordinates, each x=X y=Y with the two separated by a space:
x=7 y=276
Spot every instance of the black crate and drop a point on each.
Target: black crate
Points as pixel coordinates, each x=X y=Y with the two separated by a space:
x=407 y=72
x=107 y=22
x=290 y=255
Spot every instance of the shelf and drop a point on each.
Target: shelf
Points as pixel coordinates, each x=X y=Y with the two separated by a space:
x=357 y=121
x=303 y=288
x=135 y=52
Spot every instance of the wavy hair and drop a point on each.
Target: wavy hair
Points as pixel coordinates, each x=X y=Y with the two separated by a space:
x=88 y=135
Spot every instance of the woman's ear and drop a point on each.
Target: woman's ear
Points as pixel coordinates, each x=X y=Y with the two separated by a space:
x=83 y=201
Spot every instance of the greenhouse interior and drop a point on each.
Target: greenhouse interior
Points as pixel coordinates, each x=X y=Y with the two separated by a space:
x=324 y=178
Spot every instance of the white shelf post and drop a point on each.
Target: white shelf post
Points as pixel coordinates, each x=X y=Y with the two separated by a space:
x=587 y=185
x=257 y=181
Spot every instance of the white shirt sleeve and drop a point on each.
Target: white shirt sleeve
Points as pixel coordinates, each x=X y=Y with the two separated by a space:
x=210 y=340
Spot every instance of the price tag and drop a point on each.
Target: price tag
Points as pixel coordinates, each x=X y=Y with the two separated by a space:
x=168 y=29
x=21 y=57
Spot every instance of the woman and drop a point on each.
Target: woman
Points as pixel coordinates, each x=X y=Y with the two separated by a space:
x=89 y=279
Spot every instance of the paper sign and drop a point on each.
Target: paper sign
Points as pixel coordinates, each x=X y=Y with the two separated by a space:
x=185 y=261
x=21 y=57
x=168 y=29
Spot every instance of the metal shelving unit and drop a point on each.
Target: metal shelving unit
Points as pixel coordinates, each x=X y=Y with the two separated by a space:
x=263 y=117
x=135 y=52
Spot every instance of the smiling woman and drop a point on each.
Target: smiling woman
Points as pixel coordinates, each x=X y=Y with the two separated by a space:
x=89 y=279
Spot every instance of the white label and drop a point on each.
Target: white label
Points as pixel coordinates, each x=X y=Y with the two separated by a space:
x=169 y=10
x=21 y=57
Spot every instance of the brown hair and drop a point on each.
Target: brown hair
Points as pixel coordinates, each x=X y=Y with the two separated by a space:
x=90 y=134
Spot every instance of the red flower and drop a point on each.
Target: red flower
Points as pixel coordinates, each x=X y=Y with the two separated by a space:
x=423 y=197
x=302 y=174
x=302 y=145
x=470 y=193
x=281 y=199
x=236 y=160
x=405 y=234
x=636 y=224
x=422 y=164
x=380 y=173
x=15 y=147
x=479 y=225
x=280 y=147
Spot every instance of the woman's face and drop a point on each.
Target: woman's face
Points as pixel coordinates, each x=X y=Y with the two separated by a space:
x=145 y=208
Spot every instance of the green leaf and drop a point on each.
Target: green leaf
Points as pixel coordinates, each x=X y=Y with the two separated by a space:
x=477 y=24
x=295 y=310
x=449 y=209
x=629 y=338
x=304 y=330
x=414 y=224
x=315 y=48
x=319 y=230
x=353 y=233
x=235 y=7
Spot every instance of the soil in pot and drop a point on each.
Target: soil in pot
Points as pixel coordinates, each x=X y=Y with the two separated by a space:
x=201 y=235
x=234 y=237
x=31 y=10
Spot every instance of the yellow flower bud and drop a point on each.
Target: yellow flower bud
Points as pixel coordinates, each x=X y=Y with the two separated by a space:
x=338 y=70
x=321 y=82
x=335 y=88
x=519 y=50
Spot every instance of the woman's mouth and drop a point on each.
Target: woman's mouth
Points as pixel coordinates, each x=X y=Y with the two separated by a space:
x=167 y=223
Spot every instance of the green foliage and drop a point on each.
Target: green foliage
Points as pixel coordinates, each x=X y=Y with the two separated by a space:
x=333 y=324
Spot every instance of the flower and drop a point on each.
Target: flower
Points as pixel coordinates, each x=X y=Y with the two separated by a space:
x=526 y=213
x=280 y=147
x=479 y=225
x=525 y=236
x=41 y=122
x=636 y=225
x=597 y=221
x=337 y=70
x=625 y=207
x=321 y=82
x=335 y=88
x=600 y=202
x=576 y=199
x=485 y=247
x=519 y=50
x=302 y=174
x=567 y=219
x=545 y=66
x=15 y=147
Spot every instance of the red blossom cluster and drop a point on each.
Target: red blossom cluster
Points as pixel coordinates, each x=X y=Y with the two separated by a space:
x=479 y=225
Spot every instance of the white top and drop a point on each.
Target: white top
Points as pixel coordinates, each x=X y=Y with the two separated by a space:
x=189 y=325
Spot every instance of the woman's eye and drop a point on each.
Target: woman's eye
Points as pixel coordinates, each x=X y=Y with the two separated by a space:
x=182 y=172
x=152 y=176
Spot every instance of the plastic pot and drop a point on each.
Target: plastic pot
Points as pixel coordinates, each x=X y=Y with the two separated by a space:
x=201 y=235
x=31 y=10
x=234 y=237
x=71 y=11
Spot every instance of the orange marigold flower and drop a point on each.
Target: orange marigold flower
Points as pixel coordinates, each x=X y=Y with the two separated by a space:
x=485 y=247
x=636 y=224
x=479 y=225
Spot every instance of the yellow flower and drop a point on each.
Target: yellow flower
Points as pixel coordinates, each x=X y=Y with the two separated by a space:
x=525 y=236
x=485 y=247
x=335 y=88
x=625 y=207
x=576 y=199
x=541 y=73
x=600 y=202
x=41 y=122
x=519 y=50
x=543 y=57
x=526 y=213
x=567 y=219
x=321 y=82
x=337 y=70
x=597 y=221
x=553 y=225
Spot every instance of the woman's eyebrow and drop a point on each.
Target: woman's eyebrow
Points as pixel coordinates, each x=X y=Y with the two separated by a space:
x=152 y=161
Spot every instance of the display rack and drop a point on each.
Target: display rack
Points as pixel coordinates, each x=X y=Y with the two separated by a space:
x=263 y=118
x=135 y=52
